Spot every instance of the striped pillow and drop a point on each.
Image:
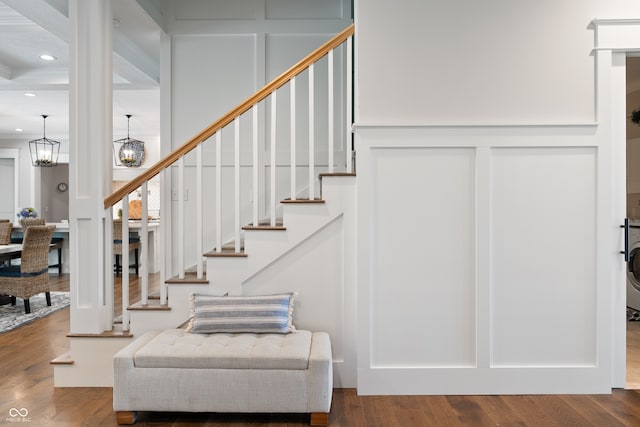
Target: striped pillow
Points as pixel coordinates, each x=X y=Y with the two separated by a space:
x=232 y=314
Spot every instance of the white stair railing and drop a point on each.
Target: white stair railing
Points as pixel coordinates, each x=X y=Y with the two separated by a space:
x=243 y=206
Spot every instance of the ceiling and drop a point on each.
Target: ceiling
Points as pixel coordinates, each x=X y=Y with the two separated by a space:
x=30 y=28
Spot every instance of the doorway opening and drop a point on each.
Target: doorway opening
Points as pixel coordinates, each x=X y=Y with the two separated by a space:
x=633 y=214
x=54 y=195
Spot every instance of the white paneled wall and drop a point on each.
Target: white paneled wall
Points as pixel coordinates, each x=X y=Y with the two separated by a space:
x=222 y=52
x=543 y=270
x=477 y=260
x=422 y=276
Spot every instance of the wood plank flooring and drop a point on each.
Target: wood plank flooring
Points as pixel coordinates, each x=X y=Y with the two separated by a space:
x=26 y=381
x=633 y=354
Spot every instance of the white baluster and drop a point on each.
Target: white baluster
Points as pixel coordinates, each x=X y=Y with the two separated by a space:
x=236 y=179
x=144 y=249
x=331 y=107
x=124 y=260
x=165 y=203
x=256 y=166
x=293 y=137
x=181 y=218
x=312 y=190
x=108 y=262
x=349 y=94
x=219 y=191
x=199 y=212
x=273 y=159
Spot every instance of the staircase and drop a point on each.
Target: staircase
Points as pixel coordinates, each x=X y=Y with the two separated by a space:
x=263 y=247
x=288 y=225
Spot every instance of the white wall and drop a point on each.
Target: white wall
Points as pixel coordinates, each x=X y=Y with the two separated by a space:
x=27 y=174
x=484 y=196
x=495 y=61
x=222 y=52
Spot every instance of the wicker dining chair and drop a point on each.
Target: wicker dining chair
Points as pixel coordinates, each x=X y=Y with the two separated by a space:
x=56 y=242
x=134 y=245
x=5 y=232
x=5 y=238
x=31 y=277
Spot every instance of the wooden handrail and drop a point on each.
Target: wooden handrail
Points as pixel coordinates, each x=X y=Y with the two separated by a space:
x=205 y=134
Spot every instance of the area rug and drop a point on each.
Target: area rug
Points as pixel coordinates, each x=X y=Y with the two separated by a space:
x=13 y=316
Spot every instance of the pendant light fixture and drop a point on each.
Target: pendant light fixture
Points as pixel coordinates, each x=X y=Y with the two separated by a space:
x=127 y=151
x=44 y=151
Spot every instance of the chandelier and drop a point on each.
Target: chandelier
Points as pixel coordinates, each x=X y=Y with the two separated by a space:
x=127 y=151
x=44 y=151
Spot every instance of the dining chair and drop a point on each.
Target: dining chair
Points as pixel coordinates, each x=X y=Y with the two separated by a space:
x=31 y=277
x=134 y=245
x=56 y=242
x=5 y=232
x=5 y=238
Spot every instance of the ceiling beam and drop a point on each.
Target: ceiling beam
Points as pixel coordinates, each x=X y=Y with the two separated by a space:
x=134 y=56
x=126 y=53
x=44 y=15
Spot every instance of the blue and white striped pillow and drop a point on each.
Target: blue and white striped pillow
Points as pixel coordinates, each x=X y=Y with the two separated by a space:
x=232 y=314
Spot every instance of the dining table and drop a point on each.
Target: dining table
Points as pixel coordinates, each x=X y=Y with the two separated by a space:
x=8 y=252
x=10 y=249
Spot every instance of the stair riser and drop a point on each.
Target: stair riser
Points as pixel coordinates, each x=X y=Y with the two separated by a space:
x=179 y=297
x=90 y=368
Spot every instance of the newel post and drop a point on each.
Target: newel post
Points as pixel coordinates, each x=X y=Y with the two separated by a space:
x=90 y=170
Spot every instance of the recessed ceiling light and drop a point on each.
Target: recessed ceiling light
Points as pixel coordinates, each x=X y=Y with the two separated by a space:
x=48 y=57
x=19 y=129
x=29 y=94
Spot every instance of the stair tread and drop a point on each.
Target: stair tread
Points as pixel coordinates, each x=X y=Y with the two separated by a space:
x=190 y=277
x=226 y=252
x=302 y=201
x=63 y=359
x=105 y=334
x=150 y=306
x=323 y=174
x=265 y=226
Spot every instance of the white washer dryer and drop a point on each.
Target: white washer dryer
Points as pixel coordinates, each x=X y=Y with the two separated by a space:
x=633 y=266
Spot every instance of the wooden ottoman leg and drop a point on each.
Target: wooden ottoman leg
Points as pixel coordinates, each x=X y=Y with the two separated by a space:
x=125 y=417
x=319 y=419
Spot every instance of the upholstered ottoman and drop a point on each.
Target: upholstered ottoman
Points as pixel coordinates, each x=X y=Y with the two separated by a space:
x=173 y=370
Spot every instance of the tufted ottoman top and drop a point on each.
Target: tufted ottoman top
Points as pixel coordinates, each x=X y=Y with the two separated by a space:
x=176 y=348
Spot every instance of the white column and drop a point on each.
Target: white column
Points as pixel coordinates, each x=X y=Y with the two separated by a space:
x=90 y=168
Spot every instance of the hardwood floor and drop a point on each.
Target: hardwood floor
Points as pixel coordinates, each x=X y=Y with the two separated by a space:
x=27 y=382
x=633 y=355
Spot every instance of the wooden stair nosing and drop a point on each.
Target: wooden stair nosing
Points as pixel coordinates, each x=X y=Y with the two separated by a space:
x=336 y=174
x=265 y=227
x=186 y=280
x=225 y=253
x=105 y=334
x=63 y=359
x=149 y=307
x=302 y=201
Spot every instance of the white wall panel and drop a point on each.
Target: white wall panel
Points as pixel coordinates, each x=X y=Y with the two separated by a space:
x=301 y=9
x=283 y=51
x=480 y=260
x=423 y=291
x=543 y=240
x=198 y=10
x=211 y=75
